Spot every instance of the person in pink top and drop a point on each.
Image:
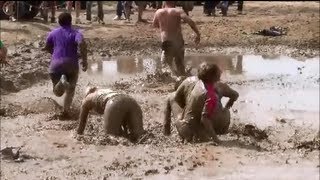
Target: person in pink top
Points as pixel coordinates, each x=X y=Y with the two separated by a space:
x=203 y=116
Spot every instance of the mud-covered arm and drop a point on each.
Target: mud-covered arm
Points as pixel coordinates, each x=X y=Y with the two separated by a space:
x=49 y=44
x=167 y=114
x=205 y=120
x=179 y=96
x=230 y=93
x=86 y=106
x=82 y=50
x=191 y=23
x=155 y=22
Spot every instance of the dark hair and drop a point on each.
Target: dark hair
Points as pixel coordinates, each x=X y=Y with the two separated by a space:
x=65 y=19
x=170 y=3
x=208 y=72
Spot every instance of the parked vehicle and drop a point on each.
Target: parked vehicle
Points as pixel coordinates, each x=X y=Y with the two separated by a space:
x=28 y=9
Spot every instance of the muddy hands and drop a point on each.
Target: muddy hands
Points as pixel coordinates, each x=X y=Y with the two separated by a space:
x=4 y=63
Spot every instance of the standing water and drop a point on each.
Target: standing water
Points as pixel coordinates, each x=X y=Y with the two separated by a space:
x=269 y=87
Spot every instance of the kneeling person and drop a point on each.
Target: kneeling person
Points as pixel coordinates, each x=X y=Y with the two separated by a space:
x=121 y=112
x=203 y=115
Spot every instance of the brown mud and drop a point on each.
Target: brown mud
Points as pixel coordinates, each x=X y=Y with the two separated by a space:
x=275 y=123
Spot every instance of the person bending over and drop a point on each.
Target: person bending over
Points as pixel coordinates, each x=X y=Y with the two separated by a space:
x=120 y=111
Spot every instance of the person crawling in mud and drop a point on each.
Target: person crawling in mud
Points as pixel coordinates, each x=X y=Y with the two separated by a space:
x=168 y=19
x=3 y=54
x=120 y=111
x=64 y=43
x=203 y=115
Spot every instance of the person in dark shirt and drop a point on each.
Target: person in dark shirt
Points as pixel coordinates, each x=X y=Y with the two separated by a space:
x=64 y=43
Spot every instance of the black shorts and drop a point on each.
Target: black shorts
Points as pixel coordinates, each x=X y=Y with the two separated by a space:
x=72 y=78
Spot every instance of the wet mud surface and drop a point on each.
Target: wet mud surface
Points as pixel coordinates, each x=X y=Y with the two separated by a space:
x=274 y=132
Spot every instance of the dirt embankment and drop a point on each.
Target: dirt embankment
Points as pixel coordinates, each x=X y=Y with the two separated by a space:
x=222 y=35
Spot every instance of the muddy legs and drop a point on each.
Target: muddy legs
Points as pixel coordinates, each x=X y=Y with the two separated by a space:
x=45 y=11
x=221 y=122
x=184 y=131
x=64 y=84
x=167 y=115
x=123 y=112
x=171 y=54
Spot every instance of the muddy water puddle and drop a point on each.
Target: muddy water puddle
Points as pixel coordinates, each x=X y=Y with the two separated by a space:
x=270 y=87
x=246 y=65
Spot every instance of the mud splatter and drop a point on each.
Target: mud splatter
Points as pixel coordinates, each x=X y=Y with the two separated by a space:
x=249 y=130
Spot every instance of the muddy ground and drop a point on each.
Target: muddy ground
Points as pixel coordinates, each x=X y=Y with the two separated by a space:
x=275 y=123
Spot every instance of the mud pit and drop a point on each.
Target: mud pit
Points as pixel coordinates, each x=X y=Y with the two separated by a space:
x=275 y=123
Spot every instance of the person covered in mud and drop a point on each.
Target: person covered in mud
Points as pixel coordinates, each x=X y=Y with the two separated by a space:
x=121 y=112
x=3 y=54
x=203 y=115
x=64 y=43
x=168 y=19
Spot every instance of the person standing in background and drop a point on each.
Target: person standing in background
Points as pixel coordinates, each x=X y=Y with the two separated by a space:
x=209 y=7
x=77 y=9
x=119 y=11
x=100 y=11
x=240 y=7
x=127 y=9
x=45 y=11
x=141 y=7
x=224 y=7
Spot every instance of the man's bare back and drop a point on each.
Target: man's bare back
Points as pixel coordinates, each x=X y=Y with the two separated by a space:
x=168 y=20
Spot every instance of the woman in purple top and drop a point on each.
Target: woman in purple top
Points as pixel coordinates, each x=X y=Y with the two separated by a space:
x=64 y=43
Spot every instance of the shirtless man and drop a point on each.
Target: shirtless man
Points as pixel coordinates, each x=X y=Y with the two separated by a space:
x=65 y=44
x=168 y=19
x=203 y=115
x=120 y=112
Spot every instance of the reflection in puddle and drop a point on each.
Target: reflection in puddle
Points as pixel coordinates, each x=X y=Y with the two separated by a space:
x=247 y=65
x=265 y=99
x=123 y=65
